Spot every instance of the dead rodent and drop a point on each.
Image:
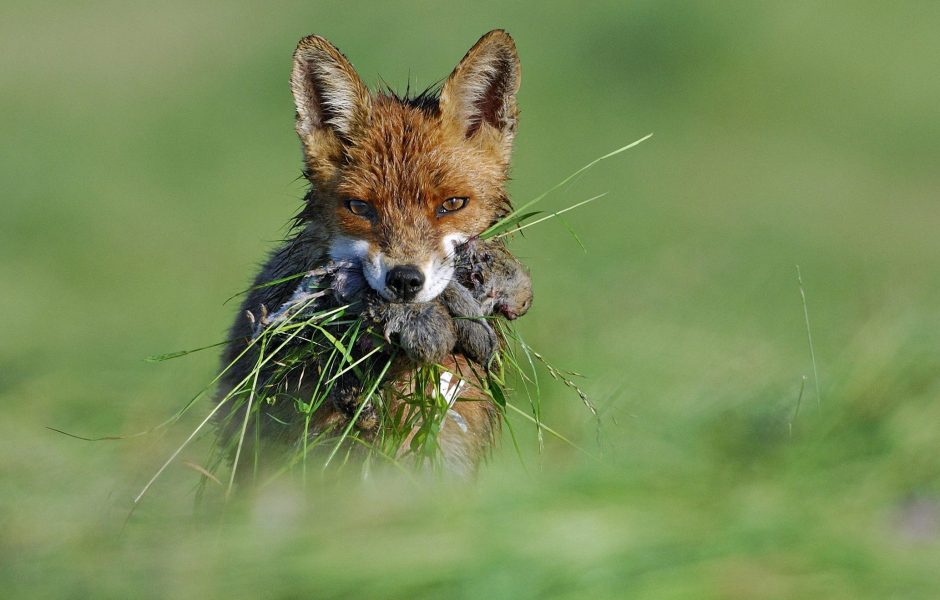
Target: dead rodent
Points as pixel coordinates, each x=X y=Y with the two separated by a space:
x=488 y=281
x=497 y=283
x=496 y=279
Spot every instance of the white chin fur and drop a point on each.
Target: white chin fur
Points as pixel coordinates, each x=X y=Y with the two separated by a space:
x=375 y=271
x=451 y=241
x=437 y=275
x=436 y=278
x=344 y=248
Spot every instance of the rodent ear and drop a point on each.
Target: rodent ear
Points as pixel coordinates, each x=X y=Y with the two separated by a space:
x=480 y=94
x=331 y=100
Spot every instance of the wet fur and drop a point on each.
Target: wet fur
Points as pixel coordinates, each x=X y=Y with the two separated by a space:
x=404 y=155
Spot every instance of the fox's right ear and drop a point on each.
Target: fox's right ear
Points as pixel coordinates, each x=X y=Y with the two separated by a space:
x=332 y=102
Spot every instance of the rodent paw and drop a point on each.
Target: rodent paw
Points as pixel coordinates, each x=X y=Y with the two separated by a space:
x=476 y=340
x=346 y=399
x=424 y=331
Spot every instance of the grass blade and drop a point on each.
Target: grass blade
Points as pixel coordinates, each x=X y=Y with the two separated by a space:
x=552 y=215
x=489 y=232
x=809 y=335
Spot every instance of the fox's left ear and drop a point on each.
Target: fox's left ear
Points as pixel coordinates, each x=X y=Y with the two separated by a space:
x=332 y=103
x=480 y=94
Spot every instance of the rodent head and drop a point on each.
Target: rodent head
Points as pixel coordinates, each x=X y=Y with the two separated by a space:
x=515 y=298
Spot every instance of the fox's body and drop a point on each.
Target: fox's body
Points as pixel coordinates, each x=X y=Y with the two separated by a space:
x=397 y=184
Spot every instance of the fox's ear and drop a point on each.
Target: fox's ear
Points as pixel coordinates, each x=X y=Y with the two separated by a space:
x=331 y=100
x=481 y=91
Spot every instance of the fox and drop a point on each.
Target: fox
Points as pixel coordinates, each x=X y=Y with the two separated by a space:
x=398 y=185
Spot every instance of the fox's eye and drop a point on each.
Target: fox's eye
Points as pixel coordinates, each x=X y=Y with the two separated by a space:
x=452 y=204
x=359 y=208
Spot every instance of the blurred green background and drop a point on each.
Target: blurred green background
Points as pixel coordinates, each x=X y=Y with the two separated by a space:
x=149 y=161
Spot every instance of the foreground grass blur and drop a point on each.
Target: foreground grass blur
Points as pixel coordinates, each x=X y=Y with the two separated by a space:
x=149 y=160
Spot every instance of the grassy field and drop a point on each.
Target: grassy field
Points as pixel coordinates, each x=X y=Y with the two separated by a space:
x=149 y=161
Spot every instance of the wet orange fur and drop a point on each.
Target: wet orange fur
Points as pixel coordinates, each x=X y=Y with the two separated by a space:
x=404 y=158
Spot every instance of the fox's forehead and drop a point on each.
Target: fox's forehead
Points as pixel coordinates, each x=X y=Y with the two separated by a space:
x=407 y=153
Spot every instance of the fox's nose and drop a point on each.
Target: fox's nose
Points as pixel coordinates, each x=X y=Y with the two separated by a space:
x=406 y=281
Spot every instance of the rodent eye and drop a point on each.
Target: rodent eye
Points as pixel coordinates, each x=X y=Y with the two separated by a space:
x=453 y=204
x=360 y=208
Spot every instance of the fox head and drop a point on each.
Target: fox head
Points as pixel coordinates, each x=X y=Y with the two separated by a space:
x=397 y=182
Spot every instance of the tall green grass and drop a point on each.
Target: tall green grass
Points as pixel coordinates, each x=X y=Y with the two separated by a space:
x=410 y=408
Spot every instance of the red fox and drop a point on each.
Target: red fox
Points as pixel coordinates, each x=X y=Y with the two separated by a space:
x=398 y=184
